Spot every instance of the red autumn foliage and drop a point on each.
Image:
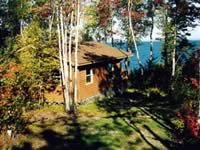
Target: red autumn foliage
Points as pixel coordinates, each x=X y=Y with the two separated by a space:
x=189 y=119
x=13 y=68
x=43 y=11
x=159 y=1
x=6 y=93
x=191 y=69
x=106 y=6
x=104 y=12
x=195 y=82
x=135 y=15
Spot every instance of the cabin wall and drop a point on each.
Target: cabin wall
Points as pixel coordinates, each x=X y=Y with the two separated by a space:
x=100 y=84
x=87 y=90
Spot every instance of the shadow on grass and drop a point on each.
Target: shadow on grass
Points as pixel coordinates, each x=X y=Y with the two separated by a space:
x=153 y=105
x=123 y=113
x=75 y=138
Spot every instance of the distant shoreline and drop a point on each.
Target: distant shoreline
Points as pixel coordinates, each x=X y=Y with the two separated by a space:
x=161 y=40
x=143 y=47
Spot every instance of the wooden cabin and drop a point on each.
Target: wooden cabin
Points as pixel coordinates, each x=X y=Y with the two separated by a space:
x=99 y=71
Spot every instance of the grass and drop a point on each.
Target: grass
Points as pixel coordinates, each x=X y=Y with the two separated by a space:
x=113 y=124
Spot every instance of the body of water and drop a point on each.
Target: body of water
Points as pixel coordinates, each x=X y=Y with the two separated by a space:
x=144 y=52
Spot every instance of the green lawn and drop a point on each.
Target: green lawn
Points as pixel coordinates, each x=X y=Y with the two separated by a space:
x=133 y=121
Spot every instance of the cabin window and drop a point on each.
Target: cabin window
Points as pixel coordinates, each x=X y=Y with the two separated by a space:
x=89 y=76
x=110 y=67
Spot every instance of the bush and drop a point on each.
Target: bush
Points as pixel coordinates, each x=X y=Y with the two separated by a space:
x=191 y=68
x=183 y=90
x=16 y=98
x=11 y=115
x=191 y=128
x=156 y=76
x=186 y=85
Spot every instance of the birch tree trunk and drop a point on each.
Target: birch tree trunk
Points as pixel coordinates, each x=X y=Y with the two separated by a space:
x=112 y=24
x=21 y=23
x=70 y=58
x=21 y=27
x=174 y=57
x=112 y=39
x=65 y=60
x=51 y=20
x=63 y=57
x=133 y=37
x=151 y=46
x=76 y=52
x=174 y=50
x=151 y=36
x=166 y=37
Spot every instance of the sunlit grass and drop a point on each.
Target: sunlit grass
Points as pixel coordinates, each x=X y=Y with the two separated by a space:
x=125 y=129
x=45 y=109
x=147 y=91
x=91 y=110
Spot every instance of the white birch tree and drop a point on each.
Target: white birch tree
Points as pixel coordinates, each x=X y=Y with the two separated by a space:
x=133 y=36
x=70 y=55
x=152 y=14
x=76 y=51
x=62 y=55
x=174 y=54
x=68 y=14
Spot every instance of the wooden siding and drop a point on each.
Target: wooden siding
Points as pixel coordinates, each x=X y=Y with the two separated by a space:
x=99 y=85
x=87 y=90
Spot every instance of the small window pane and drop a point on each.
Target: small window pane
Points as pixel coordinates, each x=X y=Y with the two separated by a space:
x=88 y=79
x=89 y=76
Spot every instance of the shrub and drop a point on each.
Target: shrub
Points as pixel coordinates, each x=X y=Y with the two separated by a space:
x=186 y=85
x=183 y=90
x=156 y=76
x=191 y=128
x=11 y=115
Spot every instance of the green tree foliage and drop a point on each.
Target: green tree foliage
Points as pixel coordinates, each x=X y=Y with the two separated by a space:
x=187 y=85
x=99 y=17
x=35 y=66
x=9 y=23
x=176 y=17
x=91 y=21
x=37 y=57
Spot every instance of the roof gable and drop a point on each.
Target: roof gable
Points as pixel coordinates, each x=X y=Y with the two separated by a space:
x=94 y=52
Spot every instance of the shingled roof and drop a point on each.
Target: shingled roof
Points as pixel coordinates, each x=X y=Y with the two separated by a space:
x=94 y=52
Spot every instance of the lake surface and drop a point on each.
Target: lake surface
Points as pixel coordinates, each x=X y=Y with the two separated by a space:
x=144 y=52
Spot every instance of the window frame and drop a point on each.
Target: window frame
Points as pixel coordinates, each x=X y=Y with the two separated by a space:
x=89 y=75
